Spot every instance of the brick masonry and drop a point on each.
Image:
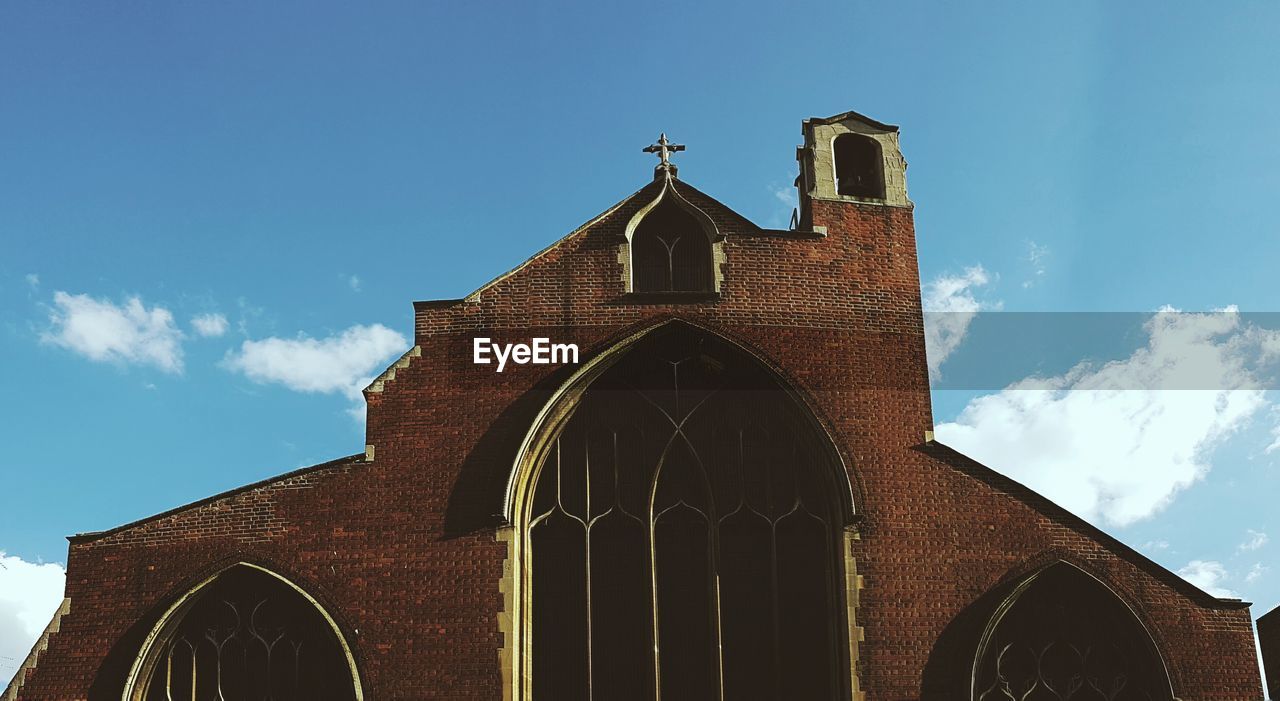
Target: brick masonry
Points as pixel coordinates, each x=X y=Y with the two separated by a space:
x=403 y=549
x=1269 y=641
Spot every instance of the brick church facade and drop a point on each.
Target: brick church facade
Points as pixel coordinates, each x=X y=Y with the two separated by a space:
x=733 y=494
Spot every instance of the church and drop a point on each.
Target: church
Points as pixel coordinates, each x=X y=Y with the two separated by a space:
x=728 y=491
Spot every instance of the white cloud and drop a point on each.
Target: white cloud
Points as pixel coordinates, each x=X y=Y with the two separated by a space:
x=1037 y=256
x=786 y=195
x=1255 y=573
x=789 y=197
x=950 y=305
x=30 y=592
x=33 y=280
x=1154 y=545
x=1099 y=444
x=209 y=325
x=342 y=364
x=106 y=332
x=353 y=282
x=1208 y=575
x=1275 y=432
x=1255 y=540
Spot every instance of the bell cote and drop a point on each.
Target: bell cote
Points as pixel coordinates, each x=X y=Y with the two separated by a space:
x=851 y=158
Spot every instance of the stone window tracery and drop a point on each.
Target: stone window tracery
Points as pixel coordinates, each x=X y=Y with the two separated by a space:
x=1066 y=636
x=247 y=636
x=683 y=539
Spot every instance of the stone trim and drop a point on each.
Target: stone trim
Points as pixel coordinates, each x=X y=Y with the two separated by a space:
x=708 y=227
x=817 y=159
x=853 y=585
x=33 y=657
x=380 y=382
x=507 y=621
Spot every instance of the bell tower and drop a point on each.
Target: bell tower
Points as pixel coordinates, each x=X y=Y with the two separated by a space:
x=853 y=192
x=850 y=158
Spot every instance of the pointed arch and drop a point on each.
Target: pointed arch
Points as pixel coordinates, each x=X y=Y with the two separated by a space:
x=671 y=245
x=1063 y=627
x=157 y=647
x=549 y=420
x=677 y=478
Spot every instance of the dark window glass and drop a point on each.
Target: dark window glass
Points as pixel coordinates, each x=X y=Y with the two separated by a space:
x=670 y=252
x=859 y=166
x=687 y=495
x=248 y=635
x=1069 y=636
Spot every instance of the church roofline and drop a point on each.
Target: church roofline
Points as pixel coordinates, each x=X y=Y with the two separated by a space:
x=437 y=303
x=440 y=303
x=1047 y=507
x=96 y=535
x=648 y=187
x=846 y=115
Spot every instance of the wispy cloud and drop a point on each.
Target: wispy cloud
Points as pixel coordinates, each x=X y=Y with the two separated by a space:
x=126 y=333
x=1037 y=257
x=950 y=305
x=248 y=313
x=1275 y=434
x=1253 y=540
x=1255 y=573
x=29 y=594
x=339 y=364
x=786 y=194
x=209 y=325
x=33 y=280
x=353 y=281
x=1108 y=452
x=1209 y=575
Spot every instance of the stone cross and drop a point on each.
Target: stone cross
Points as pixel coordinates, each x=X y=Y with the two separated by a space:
x=664 y=149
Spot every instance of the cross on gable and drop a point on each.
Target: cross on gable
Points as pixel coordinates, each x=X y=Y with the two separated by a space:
x=664 y=149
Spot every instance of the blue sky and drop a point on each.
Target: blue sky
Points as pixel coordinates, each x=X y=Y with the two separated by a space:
x=302 y=171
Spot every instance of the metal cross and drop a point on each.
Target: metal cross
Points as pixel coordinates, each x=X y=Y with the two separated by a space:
x=664 y=149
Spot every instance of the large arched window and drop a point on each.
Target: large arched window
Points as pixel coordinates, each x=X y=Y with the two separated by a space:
x=859 y=166
x=671 y=252
x=683 y=536
x=1066 y=636
x=246 y=635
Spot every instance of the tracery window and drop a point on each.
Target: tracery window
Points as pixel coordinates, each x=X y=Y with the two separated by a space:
x=249 y=636
x=670 y=252
x=859 y=166
x=1067 y=637
x=683 y=537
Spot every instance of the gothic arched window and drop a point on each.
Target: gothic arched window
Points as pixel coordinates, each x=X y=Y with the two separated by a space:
x=1066 y=636
x=683 y=537
x=859 y=166
x=671 y=252
x=247 y=635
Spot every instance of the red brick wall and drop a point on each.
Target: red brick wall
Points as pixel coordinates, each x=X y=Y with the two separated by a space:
x=402 y=549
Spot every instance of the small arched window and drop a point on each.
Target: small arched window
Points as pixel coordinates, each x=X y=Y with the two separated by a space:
x=247 y=635
x=859 y=166
x=671 y=252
